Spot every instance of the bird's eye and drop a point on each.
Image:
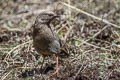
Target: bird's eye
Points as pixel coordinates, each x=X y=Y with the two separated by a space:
x=50 y=14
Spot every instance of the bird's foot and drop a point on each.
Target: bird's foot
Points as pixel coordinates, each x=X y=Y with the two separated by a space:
x=56 y=73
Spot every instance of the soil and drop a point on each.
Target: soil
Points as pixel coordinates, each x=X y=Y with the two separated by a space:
x=93 y=45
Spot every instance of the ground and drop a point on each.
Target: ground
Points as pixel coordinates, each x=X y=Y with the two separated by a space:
x=89 y=28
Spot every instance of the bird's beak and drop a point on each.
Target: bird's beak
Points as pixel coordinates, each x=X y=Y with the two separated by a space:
x=55 y=16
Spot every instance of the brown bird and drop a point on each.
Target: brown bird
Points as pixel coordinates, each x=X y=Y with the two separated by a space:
x=45 y=40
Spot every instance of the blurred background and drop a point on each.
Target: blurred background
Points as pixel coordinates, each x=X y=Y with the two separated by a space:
x=90 y=28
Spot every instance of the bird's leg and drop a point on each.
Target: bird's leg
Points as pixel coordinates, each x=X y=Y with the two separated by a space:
x=56 y=72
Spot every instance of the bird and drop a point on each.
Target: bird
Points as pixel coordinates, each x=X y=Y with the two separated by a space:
x=45 y=41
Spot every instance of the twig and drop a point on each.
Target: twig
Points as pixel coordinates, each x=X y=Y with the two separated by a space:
x=97 y=46
x=10 y=29
x=90 y=15
x=18 y=46
x=6 y=75
x=95 y=35
x=101 y=31
x=80 y=69
x=67 y=34
x=61 y=27
x=86 y=42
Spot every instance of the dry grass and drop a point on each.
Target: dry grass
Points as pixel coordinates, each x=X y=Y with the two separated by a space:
x=90 y=30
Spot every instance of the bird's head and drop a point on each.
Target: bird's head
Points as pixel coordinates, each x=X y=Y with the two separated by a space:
x=46 y=17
